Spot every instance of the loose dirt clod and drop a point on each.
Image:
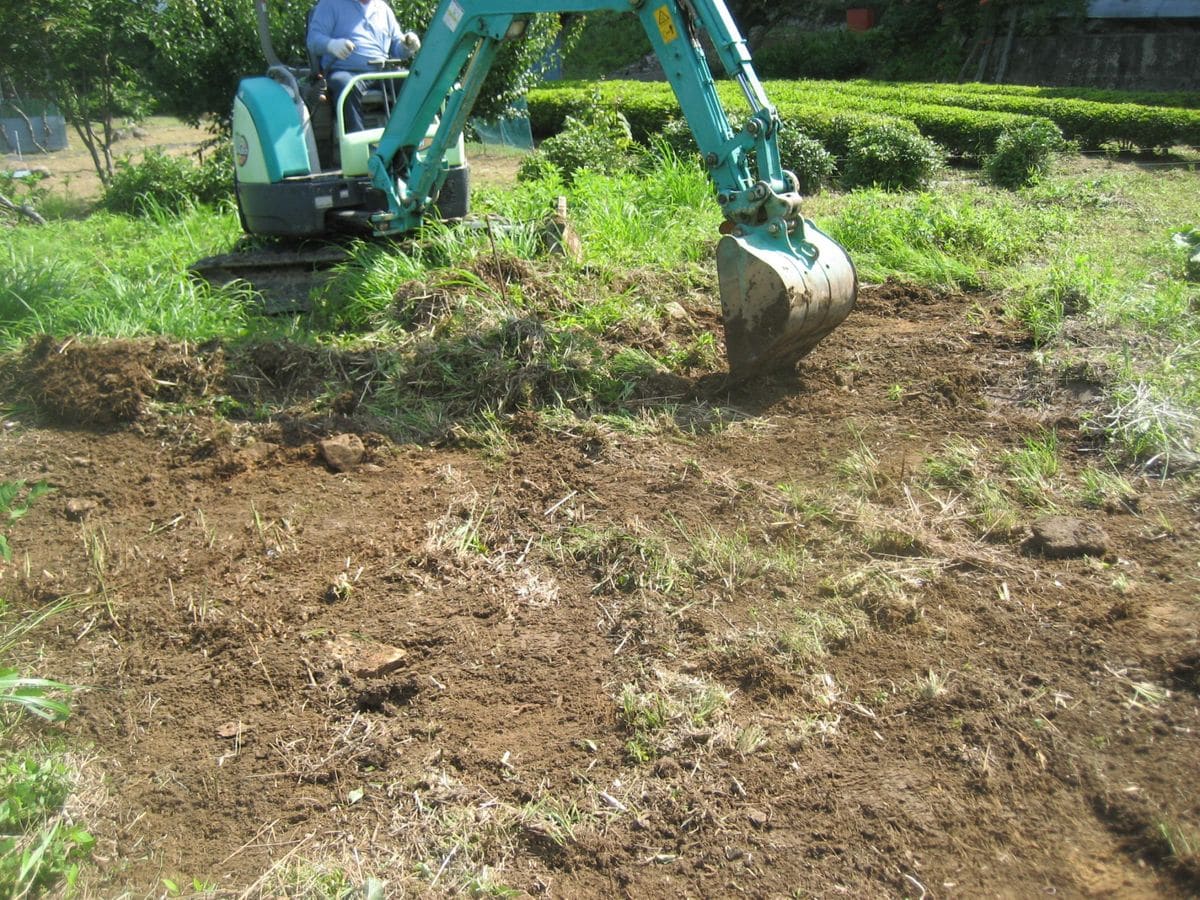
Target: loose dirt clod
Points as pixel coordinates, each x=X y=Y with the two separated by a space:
x=79 y=509
x=1065 y=537
x=343 y=452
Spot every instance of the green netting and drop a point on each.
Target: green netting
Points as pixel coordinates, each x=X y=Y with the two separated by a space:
x=511 y=131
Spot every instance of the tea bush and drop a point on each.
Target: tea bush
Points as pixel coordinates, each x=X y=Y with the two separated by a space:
x=598 y=142
x=890 y=157
x=807 y=158
x=1023 y=155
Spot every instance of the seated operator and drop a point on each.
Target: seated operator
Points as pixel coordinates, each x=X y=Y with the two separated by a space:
x=347 y=37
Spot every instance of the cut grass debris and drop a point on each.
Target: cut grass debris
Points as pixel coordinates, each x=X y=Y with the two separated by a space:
x=16 y=499
x=932 y=685
x=1105 y=487
x=670 y=711
x=860 y=468
x=622 y=560
x=813 y=633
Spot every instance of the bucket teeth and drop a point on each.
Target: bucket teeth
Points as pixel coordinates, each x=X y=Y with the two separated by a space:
x=778 y=306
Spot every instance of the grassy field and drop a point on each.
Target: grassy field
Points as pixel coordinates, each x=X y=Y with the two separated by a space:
x=724 y=589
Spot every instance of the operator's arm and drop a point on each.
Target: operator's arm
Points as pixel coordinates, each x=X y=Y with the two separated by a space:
x=401 y=44
x=320 y=29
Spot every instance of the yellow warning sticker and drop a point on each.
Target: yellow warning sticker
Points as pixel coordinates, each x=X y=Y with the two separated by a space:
x=666 y=27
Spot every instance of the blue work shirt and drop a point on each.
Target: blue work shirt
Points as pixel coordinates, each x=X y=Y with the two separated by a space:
x=372 y=26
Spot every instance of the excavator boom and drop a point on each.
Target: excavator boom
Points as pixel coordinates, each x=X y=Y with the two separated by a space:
x=784 y=285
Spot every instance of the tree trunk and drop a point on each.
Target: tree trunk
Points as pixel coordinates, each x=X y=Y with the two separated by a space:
x=84 y=130
x=1002 y=67
x=989 y=39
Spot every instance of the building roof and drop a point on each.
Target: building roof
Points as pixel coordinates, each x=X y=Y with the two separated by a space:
x=1144 y=9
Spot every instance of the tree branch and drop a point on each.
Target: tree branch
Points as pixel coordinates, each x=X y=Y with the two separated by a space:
x=23 y=209
x=29 y=125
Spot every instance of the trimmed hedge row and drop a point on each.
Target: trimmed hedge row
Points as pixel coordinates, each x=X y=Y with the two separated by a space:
x=1089 y=122
x=963 y=132
x=1179 y=99
x=830 y=116
x=965 y=119
x=648 y=107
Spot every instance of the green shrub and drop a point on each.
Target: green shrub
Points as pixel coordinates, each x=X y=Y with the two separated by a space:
x=536 y=167
x=1023 y=155
x=28 y=191
x=807 y=158
x=890 y=157
x=601 y=143
x=170 y=183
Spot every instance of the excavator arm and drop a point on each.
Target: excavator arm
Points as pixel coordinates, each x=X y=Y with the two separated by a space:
x=784 y=285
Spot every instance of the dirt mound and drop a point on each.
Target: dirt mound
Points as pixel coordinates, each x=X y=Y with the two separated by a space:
x=109 y=382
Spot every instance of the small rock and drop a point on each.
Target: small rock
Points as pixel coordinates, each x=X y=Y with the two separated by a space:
x=1065 y=537
x=734 y=853
x=675 y=312
x=757 y=818
x=343 y=452
x=366 y=659
x=231 y=730
x=79 y=509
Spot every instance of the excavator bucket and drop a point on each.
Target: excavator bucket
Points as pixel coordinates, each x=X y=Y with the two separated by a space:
x=778 y=302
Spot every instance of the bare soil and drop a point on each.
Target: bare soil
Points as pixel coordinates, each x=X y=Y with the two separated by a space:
x=377 y=667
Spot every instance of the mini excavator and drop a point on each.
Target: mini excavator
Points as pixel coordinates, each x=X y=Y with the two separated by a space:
x=784 y=285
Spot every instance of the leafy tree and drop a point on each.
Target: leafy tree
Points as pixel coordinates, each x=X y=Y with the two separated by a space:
x=80 y=55
x=203 y=47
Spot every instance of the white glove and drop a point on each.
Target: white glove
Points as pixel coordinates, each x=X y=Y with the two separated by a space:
x=411 y=42
x=340 y=47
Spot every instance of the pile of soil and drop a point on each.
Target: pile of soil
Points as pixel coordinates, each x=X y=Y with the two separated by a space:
x=415 y=668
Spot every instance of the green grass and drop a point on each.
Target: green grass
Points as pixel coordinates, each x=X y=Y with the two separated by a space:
x=16 y=499
x=115 y=276
x=1032 y=469
x=40 y=845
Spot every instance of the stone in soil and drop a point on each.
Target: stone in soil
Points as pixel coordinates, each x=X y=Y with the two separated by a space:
x=366 y=659
x=343 y=451
x=1065 y=537
x=79 y=509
